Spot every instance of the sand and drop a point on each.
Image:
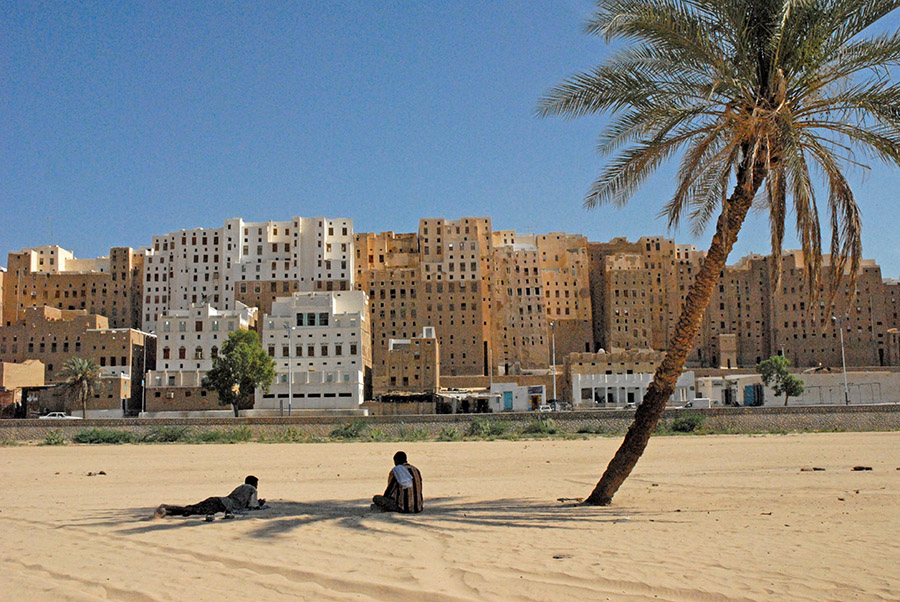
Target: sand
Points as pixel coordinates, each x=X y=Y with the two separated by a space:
x=702 y=518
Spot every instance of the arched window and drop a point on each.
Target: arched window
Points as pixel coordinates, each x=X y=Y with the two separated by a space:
x=166 y=353
x=214 y=352
x=198 y=353
x=182 y=353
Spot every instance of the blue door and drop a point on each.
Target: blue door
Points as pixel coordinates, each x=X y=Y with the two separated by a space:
x=507 y=400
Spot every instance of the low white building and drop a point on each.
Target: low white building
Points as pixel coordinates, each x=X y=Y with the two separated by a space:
x=321 y=345
x=189 y=340
x=517 y=398
x=612 y=390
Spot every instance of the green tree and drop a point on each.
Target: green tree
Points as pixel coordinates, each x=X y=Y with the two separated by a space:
x=239 y=369
x=774 y=372
x=752 y=95
x=82 y=378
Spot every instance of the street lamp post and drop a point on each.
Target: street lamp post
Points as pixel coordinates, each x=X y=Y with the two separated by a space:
x=840 y=323
x=289 y=330
x=553 y=352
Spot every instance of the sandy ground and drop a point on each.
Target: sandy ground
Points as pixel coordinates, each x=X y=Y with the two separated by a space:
x=702 y=518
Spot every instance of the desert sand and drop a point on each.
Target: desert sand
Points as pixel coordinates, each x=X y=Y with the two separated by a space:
x=702 y=518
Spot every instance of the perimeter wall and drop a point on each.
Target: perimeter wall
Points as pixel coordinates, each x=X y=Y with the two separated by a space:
x=611 y=422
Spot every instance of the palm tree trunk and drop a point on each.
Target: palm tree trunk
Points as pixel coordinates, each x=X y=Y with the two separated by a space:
x=646 y=417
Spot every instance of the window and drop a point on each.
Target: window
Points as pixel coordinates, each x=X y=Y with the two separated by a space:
x=323 y=319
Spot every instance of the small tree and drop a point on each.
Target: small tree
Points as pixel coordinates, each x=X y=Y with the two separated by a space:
x=82 y=377
x=240 y=368
x=774 y=372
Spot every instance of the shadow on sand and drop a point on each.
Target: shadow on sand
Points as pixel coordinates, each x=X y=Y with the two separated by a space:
x=445 y=514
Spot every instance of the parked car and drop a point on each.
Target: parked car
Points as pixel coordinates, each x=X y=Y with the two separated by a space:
x=544 y=407
x=59 y=416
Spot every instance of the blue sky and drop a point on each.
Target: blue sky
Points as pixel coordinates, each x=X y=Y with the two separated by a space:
x=121 y=120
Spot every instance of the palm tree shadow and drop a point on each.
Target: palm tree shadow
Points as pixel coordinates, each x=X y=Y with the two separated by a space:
x=443 y=514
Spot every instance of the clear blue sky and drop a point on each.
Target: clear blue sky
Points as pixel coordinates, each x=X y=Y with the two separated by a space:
x=122 y=120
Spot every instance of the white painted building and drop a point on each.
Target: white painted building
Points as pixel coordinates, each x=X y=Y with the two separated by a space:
x=322 y=347
x=210 y=265
x=189 y=340
x=517 y=398
x=616 y=390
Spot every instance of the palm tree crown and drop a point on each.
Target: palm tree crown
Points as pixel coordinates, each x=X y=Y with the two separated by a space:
x=776 y=87
x=82 y=376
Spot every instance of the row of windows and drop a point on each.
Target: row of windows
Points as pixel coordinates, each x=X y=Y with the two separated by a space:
x=198 y=325
x=324 y=350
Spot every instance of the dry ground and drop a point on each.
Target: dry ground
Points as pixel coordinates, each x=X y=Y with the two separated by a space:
x=702 y=518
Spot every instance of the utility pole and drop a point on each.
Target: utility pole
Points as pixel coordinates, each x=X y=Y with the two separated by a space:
x=840 y=323
x=553 y=351
x=289 y=330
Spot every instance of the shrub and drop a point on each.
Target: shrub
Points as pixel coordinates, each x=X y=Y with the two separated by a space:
x=687 y=423
x=449 y=433
x=540 y=426
x=236 y=435
x=417 y=434
x=165 y=434
x=288 y=435
x=102 y=436
x=54 y=438
x=351 y=430
x=377 y=435
x=590 y=429
x=486 y=428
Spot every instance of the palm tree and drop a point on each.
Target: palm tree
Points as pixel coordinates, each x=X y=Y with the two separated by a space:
x=82 y=377
x=752 y=95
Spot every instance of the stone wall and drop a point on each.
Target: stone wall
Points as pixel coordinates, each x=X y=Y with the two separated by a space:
x=613 y=422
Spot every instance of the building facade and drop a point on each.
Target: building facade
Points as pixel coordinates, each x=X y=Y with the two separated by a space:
x=413 y=366
x=186 y=345
x=616 y=379
x=54 y=336
x=321 y=343
x=109 y=286
x=248 y=262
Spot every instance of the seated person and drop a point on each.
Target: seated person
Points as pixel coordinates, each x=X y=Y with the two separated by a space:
x=242 y=498
x=404 y=489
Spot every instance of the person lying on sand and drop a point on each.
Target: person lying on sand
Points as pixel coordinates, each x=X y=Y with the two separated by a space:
x=404 y=488
x=242 y=498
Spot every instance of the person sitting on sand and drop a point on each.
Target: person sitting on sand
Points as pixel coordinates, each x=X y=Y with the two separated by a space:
x=404 y=488
x=242 y=498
